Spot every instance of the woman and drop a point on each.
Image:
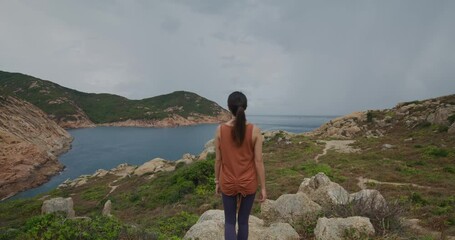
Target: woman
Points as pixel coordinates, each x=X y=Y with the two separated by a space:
x=238 y=167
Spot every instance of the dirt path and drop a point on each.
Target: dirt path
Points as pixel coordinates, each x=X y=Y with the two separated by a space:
x=363 y=183
x=342 y=146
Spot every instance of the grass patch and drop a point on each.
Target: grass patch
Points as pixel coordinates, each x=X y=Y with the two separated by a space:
x=433 y=151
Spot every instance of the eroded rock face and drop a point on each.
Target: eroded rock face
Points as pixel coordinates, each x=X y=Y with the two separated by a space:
x=343 y=228
x=29 y=144
x=210 y=226
x=59 y=205
x=321 y=190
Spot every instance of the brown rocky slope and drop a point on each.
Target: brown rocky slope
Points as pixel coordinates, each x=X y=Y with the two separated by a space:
x=29 y=145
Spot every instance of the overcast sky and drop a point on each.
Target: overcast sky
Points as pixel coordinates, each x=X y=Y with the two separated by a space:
x=289 y=57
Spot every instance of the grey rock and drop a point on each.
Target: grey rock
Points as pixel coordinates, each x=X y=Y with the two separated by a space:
x=321 y=190
x=59 y=205
x=210 y=226
x=290 y=208
x=107 y=208
x=369 y=200
x=343 y=228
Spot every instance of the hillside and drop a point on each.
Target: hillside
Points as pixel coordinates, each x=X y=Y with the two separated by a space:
x=29 y=145
x=73 y=109
x=407 y=153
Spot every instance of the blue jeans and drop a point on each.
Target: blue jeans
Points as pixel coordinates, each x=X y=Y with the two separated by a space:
x=230 y=210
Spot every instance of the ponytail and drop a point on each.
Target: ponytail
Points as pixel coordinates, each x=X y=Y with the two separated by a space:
x=237 y=104
x=239 y=127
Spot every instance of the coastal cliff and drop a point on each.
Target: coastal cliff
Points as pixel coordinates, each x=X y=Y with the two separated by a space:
x=74 y=109
x=29 y=145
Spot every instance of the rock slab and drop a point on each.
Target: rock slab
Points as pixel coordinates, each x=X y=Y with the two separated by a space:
x=59 y=205
x=343 y=228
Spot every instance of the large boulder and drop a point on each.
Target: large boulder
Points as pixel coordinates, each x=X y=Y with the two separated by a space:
x=290 y=208
x=210 y=226
x=321 y=190
x=59 y=205
x=343 y=228
x=153 y=166
x=368 y=200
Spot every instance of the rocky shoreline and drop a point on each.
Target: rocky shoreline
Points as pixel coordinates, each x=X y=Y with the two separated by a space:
x=29 y=145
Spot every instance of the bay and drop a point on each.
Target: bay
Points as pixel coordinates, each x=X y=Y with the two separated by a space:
x=107 y=147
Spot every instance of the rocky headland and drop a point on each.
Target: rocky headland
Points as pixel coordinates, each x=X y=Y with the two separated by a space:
x=73 y=109
x=30 y=143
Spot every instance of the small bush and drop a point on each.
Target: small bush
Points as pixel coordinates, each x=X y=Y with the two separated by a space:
x=439 y=128
x=56 y=226
x=312 y=169
x=451 y=118
x=176 y=226
x=434 y=151
x=416 y=198
x=369 y=116
x=423 y=124
x=449 y=169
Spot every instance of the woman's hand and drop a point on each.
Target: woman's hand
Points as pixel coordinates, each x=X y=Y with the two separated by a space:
x=217 y=189
x=263 y=195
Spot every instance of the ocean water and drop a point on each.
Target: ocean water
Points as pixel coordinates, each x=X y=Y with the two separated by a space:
x=107 y=147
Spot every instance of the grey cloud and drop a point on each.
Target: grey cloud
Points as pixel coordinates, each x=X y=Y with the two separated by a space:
x=289 y=57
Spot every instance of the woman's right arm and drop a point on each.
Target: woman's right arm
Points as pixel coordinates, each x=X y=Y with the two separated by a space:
x=217 y=160
x=259 y=163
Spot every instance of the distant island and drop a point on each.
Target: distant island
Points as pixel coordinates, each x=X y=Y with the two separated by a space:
x=74 y=109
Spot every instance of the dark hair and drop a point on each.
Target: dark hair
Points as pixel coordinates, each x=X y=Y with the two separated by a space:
x=237 y=104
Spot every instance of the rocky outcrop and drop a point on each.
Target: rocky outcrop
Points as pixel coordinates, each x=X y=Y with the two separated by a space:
x=29 y=145
x=125 y=170
x=344 y=127
x=376 y=123
x=343 y=228
x=301 y=208
x=210 y=226
x=321 y=190
x=154 y=166
x=59 y=205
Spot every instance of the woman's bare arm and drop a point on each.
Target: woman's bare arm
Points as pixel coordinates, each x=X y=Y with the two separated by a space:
x=259 y=163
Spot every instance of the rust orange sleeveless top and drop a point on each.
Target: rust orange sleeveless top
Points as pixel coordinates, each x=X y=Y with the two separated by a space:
x=238 y=171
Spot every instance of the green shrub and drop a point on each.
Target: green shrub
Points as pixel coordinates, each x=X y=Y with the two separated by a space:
x=176 y=226
x=56 y=226
x=434 y=151
x=439 y=128
x=312 y=169
x=369 y=116
x=451 y=118
x=416 y=198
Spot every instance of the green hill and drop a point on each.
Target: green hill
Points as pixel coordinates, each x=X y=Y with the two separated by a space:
x=65 y=104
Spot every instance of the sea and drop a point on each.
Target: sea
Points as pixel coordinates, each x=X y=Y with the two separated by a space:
x=107 y=147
